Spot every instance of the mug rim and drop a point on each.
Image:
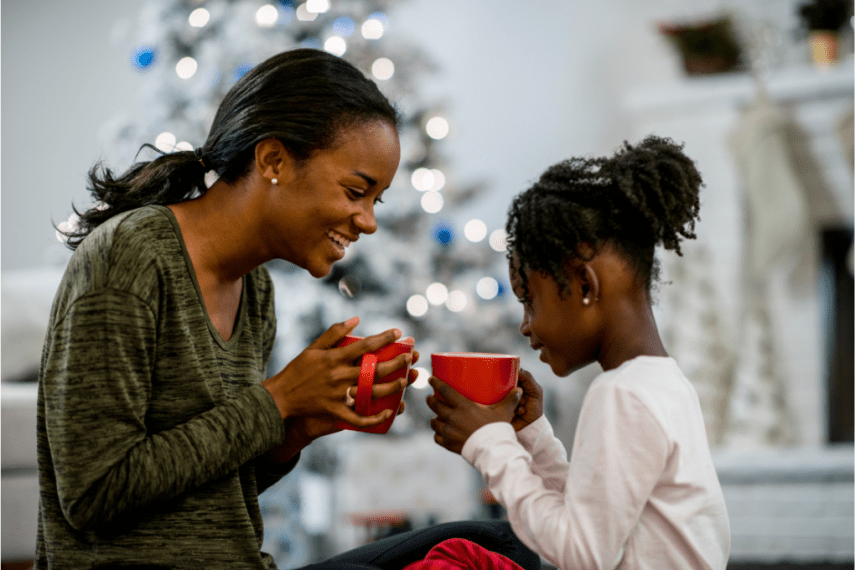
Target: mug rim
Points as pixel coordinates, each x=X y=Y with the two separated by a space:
x=474 y=355
x=399 y=341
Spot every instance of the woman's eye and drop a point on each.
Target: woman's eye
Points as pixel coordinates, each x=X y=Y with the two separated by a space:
x=378 y=200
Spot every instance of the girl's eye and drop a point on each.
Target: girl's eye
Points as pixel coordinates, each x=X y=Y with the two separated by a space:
x=378 y=200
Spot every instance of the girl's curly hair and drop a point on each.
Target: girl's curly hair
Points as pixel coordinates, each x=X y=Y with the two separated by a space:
x=643 y=196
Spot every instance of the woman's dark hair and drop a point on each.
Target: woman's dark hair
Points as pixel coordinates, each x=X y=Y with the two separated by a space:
x=645 y=195
x=302 y=97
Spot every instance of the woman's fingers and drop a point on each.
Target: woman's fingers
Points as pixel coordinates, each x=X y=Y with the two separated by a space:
x=387 y=388
x=355 y=350
x=335 y=333
x=389 y=366
x=355 y=419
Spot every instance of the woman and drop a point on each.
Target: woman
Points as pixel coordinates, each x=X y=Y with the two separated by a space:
x=640 y=490
x=156 y=427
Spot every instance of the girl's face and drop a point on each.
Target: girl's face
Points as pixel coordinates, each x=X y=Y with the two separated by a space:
x=555 y=326
x=330 y=200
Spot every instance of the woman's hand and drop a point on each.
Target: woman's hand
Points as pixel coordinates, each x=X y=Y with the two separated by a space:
x=457 y=417
x=312 y=387
x=530 y=406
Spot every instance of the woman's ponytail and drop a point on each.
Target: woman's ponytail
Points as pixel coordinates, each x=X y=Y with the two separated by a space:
x=168 y=179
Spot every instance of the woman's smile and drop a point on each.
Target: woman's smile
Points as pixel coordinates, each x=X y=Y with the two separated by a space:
x=339 y=243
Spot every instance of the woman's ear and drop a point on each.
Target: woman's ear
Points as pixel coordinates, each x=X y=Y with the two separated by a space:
x=272 y=160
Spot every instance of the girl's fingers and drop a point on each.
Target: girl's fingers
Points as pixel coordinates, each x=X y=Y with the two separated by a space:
x=439 y=407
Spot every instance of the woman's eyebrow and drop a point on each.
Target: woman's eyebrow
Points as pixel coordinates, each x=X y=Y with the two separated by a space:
x=368 y=179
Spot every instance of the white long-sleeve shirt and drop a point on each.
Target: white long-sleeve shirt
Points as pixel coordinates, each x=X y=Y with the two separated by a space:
x=640 y=490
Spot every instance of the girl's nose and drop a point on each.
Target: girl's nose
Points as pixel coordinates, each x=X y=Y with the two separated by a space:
x=525 y=329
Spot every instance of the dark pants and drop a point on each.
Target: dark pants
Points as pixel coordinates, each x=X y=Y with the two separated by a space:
x=395 y=552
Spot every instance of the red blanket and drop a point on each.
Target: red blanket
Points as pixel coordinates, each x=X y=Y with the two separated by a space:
x=460 y=554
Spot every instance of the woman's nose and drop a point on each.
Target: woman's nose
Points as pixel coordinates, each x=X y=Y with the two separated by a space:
x=365 y=220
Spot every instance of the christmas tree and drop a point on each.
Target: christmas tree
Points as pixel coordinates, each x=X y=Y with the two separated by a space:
x=440 y=279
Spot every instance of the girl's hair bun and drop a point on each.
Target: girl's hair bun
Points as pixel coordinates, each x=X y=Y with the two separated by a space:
x=661 y=184
x=643 y=196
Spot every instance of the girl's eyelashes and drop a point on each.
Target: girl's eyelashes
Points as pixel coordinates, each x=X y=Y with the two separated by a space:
x=522 y=297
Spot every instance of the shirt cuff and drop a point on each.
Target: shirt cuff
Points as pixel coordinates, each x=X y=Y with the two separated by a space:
x=485 y=437
x=529 y=435
x=267 y=412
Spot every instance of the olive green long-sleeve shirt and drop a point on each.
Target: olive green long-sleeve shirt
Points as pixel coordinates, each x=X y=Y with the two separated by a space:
x=151 y=427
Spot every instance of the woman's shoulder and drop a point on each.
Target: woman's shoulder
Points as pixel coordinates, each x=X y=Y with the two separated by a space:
x=125 y=252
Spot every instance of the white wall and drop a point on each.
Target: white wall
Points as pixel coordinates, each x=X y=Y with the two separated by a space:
x=60 y=81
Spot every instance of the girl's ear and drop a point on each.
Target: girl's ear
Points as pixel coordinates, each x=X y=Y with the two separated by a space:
x=589 y=283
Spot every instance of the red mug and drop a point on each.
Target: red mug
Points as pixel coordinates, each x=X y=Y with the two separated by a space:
x=365 y=405
x=481 y=377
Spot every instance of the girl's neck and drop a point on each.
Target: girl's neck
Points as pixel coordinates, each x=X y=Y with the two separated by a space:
x=631 y=332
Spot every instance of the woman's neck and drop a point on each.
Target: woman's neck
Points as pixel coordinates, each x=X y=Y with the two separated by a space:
x=217 y=233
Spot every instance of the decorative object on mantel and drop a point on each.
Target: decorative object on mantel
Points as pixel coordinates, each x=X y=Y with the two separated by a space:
x=787 y=201
x=823 y=19
x=706 y=47
x=695 y=333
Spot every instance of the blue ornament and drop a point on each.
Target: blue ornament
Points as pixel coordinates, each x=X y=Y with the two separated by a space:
x=143 y=57
x=443 y=233
x=380 y=16
x=241 y=70
x=502 y=289
x=344 y=26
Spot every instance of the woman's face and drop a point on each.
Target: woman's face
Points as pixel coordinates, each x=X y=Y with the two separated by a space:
x=330 y=201
x=553 y=324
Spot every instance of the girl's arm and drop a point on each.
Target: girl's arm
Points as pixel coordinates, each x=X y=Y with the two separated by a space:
x=549 y=457
x=619 y=455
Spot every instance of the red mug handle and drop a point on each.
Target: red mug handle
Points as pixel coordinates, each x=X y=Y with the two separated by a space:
x=366 y=382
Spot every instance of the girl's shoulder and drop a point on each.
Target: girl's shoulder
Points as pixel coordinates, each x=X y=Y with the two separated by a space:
x=656 y=382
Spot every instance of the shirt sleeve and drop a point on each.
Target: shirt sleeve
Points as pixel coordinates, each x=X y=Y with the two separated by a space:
x=620 y=454
x=549 y=457
x=96 y=384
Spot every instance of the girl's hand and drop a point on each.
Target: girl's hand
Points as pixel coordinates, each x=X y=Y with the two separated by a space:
x=530 y=406
x=457 y=417
x=313 y=385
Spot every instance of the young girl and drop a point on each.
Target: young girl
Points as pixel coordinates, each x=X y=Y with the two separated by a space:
x=640 y=490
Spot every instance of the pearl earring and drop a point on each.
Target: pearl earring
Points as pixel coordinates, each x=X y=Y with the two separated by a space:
x=274 y=181
x=586 y=301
